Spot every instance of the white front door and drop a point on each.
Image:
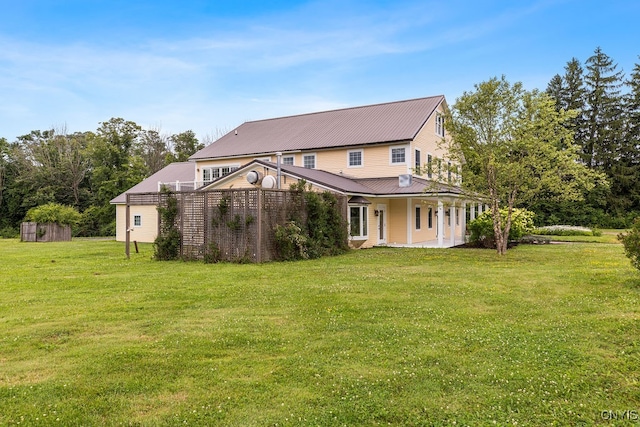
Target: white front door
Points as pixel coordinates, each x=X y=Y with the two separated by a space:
x=382 y=224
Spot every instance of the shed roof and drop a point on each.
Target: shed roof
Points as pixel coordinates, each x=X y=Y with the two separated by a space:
x=372 y=124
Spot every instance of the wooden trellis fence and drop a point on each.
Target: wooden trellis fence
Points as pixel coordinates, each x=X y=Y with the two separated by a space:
x=231 y=225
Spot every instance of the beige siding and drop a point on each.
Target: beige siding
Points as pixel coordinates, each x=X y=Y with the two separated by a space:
x=429 y=143
x=146 y=232
x=397 y=221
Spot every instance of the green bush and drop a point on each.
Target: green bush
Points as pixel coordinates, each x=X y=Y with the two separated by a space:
x=482 y=232
x=291 y=242
x=9 y=233
x=565 y=230
x=631 y=243
x=167 y=244
x=53 y=213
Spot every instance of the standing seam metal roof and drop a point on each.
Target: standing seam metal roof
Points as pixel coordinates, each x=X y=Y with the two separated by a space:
x=380 y=123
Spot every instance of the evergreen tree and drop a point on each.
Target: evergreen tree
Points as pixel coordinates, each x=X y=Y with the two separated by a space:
x=627 y=167
x=603 y=112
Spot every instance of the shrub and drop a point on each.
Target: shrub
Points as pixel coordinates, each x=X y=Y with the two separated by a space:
x=291 y=242
x=631 y=243
x=167 y=244
x=565 y=230
x=53 y=212
x=482 y=232
x=9 y=233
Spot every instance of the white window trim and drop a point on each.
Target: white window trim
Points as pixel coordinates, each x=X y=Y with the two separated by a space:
x=363 y=213
x=406 y=149
x=439 y=125
x=219 y=168
x=134 y=220
x=293 y=160
x=315 y=160
x=361 y=158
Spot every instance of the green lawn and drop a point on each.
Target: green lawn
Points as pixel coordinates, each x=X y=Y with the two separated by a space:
x=547 y=335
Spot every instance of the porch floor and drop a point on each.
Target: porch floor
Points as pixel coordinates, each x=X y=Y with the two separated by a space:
x=426 y=244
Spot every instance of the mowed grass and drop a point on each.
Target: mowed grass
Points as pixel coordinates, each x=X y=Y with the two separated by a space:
x=546 y=335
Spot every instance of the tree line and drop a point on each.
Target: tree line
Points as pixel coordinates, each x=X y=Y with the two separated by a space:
x=84 y=170
x=606 y=129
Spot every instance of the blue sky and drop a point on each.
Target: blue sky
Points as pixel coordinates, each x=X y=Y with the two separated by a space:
x=208 y=66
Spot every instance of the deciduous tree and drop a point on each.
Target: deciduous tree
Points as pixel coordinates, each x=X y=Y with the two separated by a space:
x=514 y=146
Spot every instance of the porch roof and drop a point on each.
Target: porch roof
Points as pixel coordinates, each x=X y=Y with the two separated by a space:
x=383 y=186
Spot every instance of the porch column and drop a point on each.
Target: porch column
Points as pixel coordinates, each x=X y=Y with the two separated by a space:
x=463 y=222
x=452 y=229
x=409 y=222
x=479 y=209
x=473 y=211
x=440 y=224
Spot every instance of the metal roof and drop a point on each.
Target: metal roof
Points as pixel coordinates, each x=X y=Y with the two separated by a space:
x=372 y=124
x=180 y=171
x=388 y=186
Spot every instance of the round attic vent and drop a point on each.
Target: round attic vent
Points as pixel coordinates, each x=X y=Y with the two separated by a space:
x=254 y=177
x=268 y=182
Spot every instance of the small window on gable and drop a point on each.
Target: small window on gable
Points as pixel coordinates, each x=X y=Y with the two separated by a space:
x=440 y=125
x=417 y=162
x=398 y=155
x=309 y=161
x=137 y=220
x=287 y=160
x=355 y=158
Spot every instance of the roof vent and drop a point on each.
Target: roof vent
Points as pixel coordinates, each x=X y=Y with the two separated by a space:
x=404 y=180
x=268 y=182
x=254 y=177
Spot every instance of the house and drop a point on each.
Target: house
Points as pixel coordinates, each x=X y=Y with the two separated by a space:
x=402 y=187
x=143 y=220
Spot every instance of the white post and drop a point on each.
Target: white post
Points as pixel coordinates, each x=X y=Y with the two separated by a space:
x=409 y=222
x=479 y=209
x=452 y=229
x=473 y=211
x=177 y=185
x=440 y=224
x=463 y=222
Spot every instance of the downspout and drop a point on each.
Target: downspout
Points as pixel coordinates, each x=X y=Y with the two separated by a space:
x=279 y=174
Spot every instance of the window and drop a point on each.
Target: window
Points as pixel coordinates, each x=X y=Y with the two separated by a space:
x=287 y=160
x=309 y=161
x=418 y=211
x=440 y=125
x=429 y=166
x=430 y=218
x=137 y=220
x=449 y=172
x=417 y=162
x=457 y=216
x=355 y=158
x=211 y=174
x=358 y=218
x=398 y=155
